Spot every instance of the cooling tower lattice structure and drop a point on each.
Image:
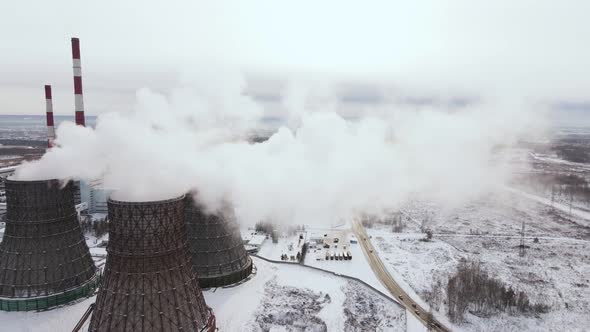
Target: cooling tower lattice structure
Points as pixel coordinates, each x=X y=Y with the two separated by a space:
x=148 y=283
x=217 y=250
x=44 y=259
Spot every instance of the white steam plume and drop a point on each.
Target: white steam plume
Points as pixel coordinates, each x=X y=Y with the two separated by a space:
x=326 y=167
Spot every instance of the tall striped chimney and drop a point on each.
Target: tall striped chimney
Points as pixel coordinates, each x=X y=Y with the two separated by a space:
x=49 y=111
x=80 y=120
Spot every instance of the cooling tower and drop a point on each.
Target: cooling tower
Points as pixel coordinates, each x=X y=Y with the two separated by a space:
x=44 y=259
x=148 y=283
x=217 y=250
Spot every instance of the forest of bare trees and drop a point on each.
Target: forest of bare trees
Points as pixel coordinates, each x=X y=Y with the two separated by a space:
x=98 y=227
x=472 y=289
x=563 y=187
x=264 y=227
x=572 y=152
x=395 y=220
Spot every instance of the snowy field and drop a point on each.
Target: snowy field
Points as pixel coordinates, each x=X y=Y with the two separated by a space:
x=285 y=297
x=57 y=319
x=554 y=271
x=279 y=297
x=499 y=214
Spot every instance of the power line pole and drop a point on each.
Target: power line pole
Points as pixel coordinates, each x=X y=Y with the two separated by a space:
x=521 y=251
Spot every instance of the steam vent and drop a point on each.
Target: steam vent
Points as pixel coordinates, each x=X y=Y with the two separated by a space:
x=217 y=250
x=44 y=260
x=149 y=284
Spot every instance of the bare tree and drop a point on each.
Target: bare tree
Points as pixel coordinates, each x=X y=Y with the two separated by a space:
x=471 y=288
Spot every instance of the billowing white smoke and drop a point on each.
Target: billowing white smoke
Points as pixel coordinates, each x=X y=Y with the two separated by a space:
x=325 y=168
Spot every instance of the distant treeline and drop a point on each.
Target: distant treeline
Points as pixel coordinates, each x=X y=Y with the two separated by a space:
x=273 y=229
x=98 y=227
x=571 y=186
x=23 y=142
x=258 y=138
x=573 y=153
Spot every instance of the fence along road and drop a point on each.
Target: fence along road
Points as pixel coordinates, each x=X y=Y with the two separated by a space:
x=387 y=280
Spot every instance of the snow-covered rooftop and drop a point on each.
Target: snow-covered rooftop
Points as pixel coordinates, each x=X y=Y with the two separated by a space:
x=256 y=239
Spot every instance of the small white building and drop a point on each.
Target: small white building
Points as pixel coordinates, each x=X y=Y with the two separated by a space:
x=256 y=240
x=317 y=237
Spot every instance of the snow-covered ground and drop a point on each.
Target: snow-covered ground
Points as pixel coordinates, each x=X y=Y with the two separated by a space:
x=288 y=245
x=57 y=319
x=357 y=267
x=280 y=297
x=554 y=271
x=581 y=216
x=500 y=213
x=294 y=298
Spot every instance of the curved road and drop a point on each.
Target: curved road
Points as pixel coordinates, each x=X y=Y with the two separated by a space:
x=389 y=283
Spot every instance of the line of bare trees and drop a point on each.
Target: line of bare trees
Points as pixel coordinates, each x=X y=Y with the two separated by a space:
x=471 y=288
x=571 y=152
x=99 y=227
x=564 y=187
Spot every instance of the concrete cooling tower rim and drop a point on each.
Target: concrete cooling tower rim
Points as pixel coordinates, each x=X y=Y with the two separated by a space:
x=48 y=181
x=163 y=201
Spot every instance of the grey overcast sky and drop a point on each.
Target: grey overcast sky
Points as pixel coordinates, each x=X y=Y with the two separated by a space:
x=535 y=49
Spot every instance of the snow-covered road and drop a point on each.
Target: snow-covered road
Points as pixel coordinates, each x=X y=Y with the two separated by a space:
x=413 y=306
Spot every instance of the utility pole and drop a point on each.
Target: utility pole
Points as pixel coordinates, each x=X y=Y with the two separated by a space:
x=521 y=249
x=571 y=201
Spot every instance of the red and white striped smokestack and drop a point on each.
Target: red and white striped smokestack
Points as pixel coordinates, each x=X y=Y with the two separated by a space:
x=49 y=113
x=80 y=119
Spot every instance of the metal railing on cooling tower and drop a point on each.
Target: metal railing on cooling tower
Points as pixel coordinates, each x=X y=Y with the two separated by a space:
x=45 y=302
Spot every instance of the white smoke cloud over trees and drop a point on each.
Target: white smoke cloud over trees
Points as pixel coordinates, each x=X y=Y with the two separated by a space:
x=319 y=167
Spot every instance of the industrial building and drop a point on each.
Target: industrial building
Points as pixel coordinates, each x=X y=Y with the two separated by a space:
x=95 y=195
x=217 y=250
x=149 y=283
x=44 y=259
